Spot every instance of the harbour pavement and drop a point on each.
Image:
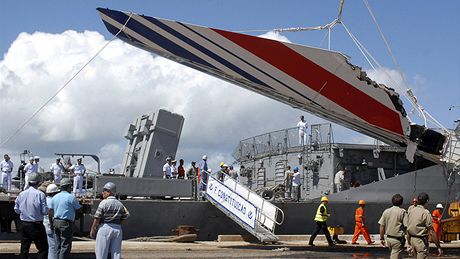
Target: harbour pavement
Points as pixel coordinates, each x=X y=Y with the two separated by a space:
x=232 y=249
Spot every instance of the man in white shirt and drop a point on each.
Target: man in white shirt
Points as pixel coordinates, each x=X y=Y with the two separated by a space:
x=57 y=168
x=79 y=171
x=339 y=180
x=167 y=169
x=296 y=183
x=302 y=125
x=6 y=167
x=30 y=167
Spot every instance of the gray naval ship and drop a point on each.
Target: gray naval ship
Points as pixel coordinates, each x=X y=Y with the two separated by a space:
x=415 y=158
x=376 y=172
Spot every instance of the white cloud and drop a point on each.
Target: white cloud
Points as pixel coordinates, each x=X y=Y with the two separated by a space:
x=91 y=114
x=272 y=35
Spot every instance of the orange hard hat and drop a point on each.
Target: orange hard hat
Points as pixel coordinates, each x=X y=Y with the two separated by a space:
x=362 y=202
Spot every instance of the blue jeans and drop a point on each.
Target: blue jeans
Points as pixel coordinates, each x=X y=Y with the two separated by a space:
x=51 y=243
x=63 y=231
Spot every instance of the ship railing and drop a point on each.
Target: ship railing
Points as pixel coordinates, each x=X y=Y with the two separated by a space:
x=319 y=137
x=268 y=215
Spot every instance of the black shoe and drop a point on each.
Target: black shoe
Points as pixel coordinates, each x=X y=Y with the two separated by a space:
x=311 y=244
x=331 y=244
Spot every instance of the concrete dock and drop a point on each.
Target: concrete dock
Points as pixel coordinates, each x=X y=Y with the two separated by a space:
x=232 y=249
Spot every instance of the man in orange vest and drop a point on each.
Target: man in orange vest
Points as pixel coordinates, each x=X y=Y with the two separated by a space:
x=436 y=219
x=360 y=227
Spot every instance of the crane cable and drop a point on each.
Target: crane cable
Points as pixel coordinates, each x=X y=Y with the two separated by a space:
x=328 y=26
x=408 y=92
x=18 y=130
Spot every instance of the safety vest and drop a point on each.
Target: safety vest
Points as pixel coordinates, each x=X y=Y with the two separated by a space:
x=321 y=217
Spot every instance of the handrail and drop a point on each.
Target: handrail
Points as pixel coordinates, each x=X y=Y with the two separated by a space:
x=249 y=191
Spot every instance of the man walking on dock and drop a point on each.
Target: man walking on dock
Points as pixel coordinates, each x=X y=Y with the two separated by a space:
x=419 y=226
x=360 y=227
x=320 y=219
x=393 y=224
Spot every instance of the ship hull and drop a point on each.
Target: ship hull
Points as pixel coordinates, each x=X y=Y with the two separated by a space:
x=159 y=218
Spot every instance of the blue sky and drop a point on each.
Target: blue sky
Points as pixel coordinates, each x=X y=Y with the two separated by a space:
x=423 y=35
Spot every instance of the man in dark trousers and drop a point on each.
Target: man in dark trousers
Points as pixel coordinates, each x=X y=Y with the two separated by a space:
x=31 y=205
x=320 y=219
x=62 y=216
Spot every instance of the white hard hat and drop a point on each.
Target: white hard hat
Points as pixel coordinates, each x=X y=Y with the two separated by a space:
x=209 y=170
x=36 y=157
x=205 y=157
x=52 y=188
x=439 y=206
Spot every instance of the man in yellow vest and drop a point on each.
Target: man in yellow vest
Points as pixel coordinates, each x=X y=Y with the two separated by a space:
x=320 y=219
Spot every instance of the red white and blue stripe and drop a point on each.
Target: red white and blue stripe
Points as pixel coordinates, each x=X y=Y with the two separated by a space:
x=311 y=79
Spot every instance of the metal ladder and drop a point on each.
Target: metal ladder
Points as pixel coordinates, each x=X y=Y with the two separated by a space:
x=229 y=194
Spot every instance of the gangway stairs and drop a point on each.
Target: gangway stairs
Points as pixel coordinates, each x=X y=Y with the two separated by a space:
x=245 y=207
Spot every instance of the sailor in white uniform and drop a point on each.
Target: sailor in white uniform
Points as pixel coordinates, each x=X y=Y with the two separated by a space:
x=6 y=167
x=30 y=167
x=57 y=168
x=79 y=171
x=302 y=125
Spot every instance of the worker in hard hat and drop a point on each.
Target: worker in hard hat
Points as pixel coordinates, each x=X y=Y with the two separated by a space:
x=51 y=190
x=320 y=219
x=436 y=218
x=360 y=227
x=107 y=224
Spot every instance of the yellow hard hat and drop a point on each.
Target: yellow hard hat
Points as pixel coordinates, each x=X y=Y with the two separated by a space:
x=222 y=164
x=324 y=198
x=362 y=202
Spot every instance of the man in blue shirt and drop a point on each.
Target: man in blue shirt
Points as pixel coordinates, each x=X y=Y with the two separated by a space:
x=62 y=216
x=31 y=205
